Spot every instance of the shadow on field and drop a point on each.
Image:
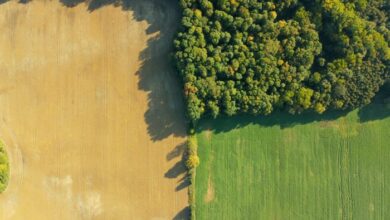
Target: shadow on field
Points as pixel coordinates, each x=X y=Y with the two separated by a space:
x=157 y=76
x=179 y=168
x=183 y=214
x=374 y=111
x=165 y=114
x=281 y=119
x=379 y=108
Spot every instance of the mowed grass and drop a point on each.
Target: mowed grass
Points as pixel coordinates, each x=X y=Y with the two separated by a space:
x=335 y=166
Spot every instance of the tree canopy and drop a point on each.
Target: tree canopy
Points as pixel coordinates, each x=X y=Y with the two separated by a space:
x=252 y=56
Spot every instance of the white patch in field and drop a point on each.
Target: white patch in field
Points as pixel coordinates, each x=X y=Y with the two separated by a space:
x=89 y=205
x=8 y=204
x=59 y=188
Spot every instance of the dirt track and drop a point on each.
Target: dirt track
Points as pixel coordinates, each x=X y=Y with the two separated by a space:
x=91 y=111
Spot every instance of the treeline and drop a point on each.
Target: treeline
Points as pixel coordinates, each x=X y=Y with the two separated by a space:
x=253 y=56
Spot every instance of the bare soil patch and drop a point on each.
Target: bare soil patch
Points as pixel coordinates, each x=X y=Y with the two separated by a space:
x=210 y=191
x=89 y=110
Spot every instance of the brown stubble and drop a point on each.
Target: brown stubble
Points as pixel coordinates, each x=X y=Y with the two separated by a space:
x=89 y=121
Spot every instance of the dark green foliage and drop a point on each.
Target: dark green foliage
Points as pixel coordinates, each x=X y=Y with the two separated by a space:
x=250 y=56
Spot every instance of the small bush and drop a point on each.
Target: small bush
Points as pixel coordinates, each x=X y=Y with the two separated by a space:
x=4 y=168
x=193 y=161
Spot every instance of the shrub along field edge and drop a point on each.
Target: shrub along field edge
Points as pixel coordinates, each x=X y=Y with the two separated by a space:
x=192 y=161
x=4 y=168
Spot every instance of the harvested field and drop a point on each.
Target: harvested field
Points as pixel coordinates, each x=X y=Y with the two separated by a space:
x=333 y=166
x=90 y=111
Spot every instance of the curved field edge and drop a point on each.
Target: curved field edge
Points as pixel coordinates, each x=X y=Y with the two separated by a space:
x=307 y=167
x=4 y=167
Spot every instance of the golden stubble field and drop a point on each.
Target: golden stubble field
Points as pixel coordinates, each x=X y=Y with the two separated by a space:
x=91 y=111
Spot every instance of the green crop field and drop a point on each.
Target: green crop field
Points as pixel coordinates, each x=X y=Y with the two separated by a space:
x=335 y=166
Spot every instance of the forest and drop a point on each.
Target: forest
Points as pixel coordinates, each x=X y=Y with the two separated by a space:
x=251 y=56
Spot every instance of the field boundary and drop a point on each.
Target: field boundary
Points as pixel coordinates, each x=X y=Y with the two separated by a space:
x=192 y=162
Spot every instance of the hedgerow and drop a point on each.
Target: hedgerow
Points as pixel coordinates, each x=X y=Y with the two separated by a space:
x=251 y=56
x=192 y=162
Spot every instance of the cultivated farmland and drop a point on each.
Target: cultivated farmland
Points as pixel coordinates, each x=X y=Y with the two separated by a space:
x=295 y=167
x=90 y=111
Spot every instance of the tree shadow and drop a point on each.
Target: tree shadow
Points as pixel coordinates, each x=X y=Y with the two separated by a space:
x=20 y=1
x=184 y=214
x=177 y=151
x=175 y=171
x=379 y=108
x=96 y=4
x=165 y=115
x=278 y=118
x=157 y=76
x=179 y=168
x=183 y=183
x=374 y=111
x=71 y=3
